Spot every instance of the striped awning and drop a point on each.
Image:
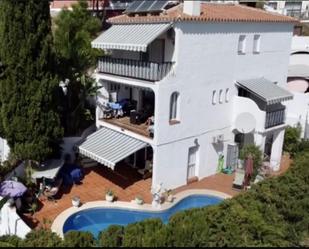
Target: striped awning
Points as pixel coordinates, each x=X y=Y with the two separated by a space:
x=134 y=37
x=266 y=90
x=109 y=147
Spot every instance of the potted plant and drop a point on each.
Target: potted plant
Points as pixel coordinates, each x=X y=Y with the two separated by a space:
x=139 y=200
x=169 y=196
x=76 y=201
x=109 y=196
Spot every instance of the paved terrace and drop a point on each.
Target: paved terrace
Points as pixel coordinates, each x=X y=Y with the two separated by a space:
x=126 y=184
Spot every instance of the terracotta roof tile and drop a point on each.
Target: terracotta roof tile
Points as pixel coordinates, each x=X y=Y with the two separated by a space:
x=210 y=12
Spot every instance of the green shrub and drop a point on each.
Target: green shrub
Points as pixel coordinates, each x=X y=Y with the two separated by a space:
x=11 y=240
x=111 y=237
x=5 y=244
x=78 y=239
x=42 y=238
x=146 y=233
x=292 y=139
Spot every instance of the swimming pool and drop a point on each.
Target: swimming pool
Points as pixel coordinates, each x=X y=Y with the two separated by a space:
x=95 y=220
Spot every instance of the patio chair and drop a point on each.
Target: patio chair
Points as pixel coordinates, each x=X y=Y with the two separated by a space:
x=52 y=192
x=145 y=172
x=238 y=182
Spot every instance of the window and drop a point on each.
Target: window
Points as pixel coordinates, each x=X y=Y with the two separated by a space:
x=242 y=44
x=227 y=95
x=174 y=106
x=221 y=96
x=214 y=95
x=192 y=162
x=256 y=43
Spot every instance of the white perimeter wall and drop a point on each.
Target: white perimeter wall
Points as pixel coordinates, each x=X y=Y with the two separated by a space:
x=207 y=60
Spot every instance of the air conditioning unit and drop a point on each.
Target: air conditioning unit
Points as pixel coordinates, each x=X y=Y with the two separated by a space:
x=220 y=138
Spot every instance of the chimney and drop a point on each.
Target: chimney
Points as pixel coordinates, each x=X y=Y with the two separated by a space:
x=192 y=7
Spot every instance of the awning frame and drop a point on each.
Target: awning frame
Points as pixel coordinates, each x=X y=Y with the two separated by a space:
x=109 y=147
x=257 y=84
x=126 y=37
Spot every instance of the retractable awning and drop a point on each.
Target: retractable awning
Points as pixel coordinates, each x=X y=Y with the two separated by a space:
x=108 y=147
x=134 y=37
x=266 y=90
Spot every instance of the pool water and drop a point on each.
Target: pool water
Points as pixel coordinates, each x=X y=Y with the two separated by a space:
x=95 y=220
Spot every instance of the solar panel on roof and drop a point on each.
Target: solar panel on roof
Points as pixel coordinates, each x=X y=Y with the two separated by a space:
x=133 y=6
x=159 y=5
x=145 y=6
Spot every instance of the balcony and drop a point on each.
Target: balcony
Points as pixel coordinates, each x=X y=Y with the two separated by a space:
x=274 y=118
x=134 y=69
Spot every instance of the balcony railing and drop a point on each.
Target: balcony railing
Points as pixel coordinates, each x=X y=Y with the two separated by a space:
x=134 y=69
x=274 y=118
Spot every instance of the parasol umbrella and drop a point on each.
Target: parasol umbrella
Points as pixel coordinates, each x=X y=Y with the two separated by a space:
x=248 y=169
x=12 y=189
x=249 y=166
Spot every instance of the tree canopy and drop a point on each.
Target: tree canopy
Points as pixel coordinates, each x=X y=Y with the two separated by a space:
x=74 y=31
x=28 y=110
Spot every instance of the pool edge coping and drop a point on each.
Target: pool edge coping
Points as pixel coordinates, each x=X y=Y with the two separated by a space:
x=59 y=221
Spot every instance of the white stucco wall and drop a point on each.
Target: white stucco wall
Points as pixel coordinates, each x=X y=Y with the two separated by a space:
x=207 y=60
x=11 y=223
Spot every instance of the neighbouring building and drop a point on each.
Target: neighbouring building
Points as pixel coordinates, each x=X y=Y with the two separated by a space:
x=184 y=87
x=298 y=84
x=111 y=7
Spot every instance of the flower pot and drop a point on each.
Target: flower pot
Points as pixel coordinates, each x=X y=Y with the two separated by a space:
x=170 y=198
x=76 y=202
x=139 y=201
x=109 y=198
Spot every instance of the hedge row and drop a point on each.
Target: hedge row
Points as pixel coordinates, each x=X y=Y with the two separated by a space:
x=272 y=213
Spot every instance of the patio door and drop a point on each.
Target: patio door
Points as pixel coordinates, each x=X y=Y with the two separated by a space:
x=192 y=162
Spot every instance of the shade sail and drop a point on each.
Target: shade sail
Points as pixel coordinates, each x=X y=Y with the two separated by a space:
x=134 y=37
x=266 y=90
x=109 y=147
x=49 y=169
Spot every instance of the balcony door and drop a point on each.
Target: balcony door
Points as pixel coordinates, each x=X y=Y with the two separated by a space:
x=192 y=162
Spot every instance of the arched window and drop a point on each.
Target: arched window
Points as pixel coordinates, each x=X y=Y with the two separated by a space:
x=174 y=106
x=221 y=96
x=214 y=95
x=227 y=95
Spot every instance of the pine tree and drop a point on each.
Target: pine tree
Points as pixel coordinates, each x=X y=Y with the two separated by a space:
x=28 y=85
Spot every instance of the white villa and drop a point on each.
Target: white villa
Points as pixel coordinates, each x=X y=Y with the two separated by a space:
x=184 y=86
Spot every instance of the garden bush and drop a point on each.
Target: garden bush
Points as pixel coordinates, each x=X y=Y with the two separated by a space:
x=292 y=139
x=13 y=240
x=78 y=239
x=111 y=237
x=41 y=238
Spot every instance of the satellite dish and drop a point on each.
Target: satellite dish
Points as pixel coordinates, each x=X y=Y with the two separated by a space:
x=245 y=122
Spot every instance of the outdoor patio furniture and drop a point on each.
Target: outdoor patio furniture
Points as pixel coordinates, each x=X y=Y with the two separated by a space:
x=239 y=179
x=51 y=192
x=147 y=171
